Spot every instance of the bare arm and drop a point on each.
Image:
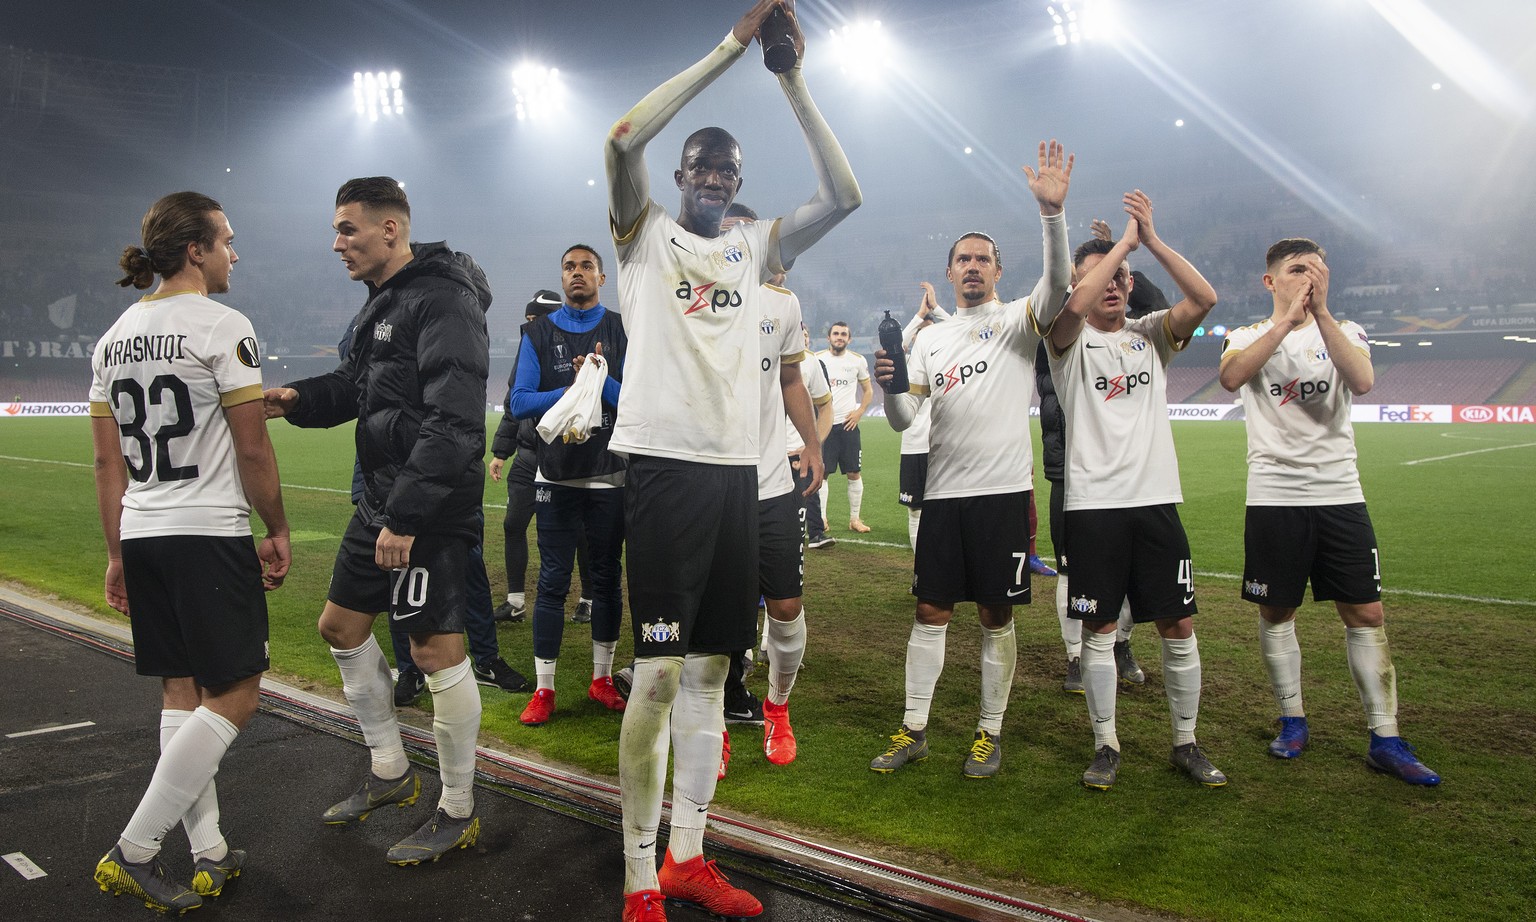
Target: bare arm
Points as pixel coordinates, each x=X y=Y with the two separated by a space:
x=1239 y=367
x=111 y=483
x=257 y=463
x=866 y=395
x=1089 y=290
x=797 y=405
x=1199 y=296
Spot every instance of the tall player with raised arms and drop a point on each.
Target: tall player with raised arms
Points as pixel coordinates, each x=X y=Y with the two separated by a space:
x=688 y=420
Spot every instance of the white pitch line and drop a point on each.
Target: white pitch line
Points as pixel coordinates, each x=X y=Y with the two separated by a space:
x=1476 y=451
x=45 y=461
x=83 y=723
x=286 y=486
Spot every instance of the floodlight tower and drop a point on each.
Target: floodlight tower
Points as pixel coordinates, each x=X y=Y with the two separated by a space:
x=862 y=49
x=539 y=91
x=375 y=93
x=1076 y=21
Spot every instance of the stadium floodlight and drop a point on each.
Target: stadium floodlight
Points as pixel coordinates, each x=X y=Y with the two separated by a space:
x=539 y=91
x=862 y=49
x=376 y=93
x=1076 y=21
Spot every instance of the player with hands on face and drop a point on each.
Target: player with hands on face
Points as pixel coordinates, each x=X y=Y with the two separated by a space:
x=1306 y=519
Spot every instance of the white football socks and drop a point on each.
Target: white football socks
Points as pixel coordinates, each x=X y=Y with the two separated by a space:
x=1099 y=677
x=202 y=818
x=186 y=766
x=786 y=650
x=1123 y=628
x=544 y=672
x=698 y=728
x=455 y=726
x=826 y=513
x=855 y=500
x=1370 y=662
x=1282 y=659
x=644 y=740
x=602 y=658
x=914 y=517
x=999 y=656
x=925 y=661
x=1181 y=681
x=1071 y=628
x=366 y=684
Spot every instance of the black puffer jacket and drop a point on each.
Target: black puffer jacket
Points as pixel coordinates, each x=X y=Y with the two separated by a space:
x=415 y=382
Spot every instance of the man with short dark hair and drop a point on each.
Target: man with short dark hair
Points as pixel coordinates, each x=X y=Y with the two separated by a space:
x=1298 y=373
x=414 y=380
x=976 y=369
x=848 y=375
x=579 y=486
x=688 y=420
x=518 y=440
x=1123 y=533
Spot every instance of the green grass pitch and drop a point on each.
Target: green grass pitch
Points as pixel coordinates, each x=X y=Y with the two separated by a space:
x=1318 y=838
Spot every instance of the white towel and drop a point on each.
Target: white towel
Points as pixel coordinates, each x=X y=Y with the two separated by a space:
x=580 y=408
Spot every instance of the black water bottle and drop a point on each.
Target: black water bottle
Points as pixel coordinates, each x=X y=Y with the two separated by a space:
x=778 y=48
x=890 y=341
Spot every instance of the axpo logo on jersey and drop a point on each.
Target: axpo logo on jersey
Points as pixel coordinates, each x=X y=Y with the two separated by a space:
x=1121 y=384
x=1297 y=389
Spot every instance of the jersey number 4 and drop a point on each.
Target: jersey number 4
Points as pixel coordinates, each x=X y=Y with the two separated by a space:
x=156 y=458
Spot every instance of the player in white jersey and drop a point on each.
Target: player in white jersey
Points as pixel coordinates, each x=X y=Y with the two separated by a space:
x=780 y=511
x=182 y=456
x=1123 y=533
x=914 y=439
x=1306 y=519
x=848 y=374
x=814 y=374
x=688 y=419
x=977 y=371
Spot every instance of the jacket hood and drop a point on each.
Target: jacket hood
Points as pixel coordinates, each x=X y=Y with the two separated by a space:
x=435 y=260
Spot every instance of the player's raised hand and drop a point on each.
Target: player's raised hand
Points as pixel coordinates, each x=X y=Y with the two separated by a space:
x=1139 y=207
x=1049 y=183
x=752 y=21
x=1296 y=312
x=1100 y=230
x=929 y=303
x=1317 y=276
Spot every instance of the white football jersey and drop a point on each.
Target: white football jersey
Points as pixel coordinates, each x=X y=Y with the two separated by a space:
x=690 y=308
x=821 y=398
x=1301 y=445
x=164 y=372
x=845 y=372
x=977 y=373
x=914 y=438
x=1113 y=389
x=781 y=343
